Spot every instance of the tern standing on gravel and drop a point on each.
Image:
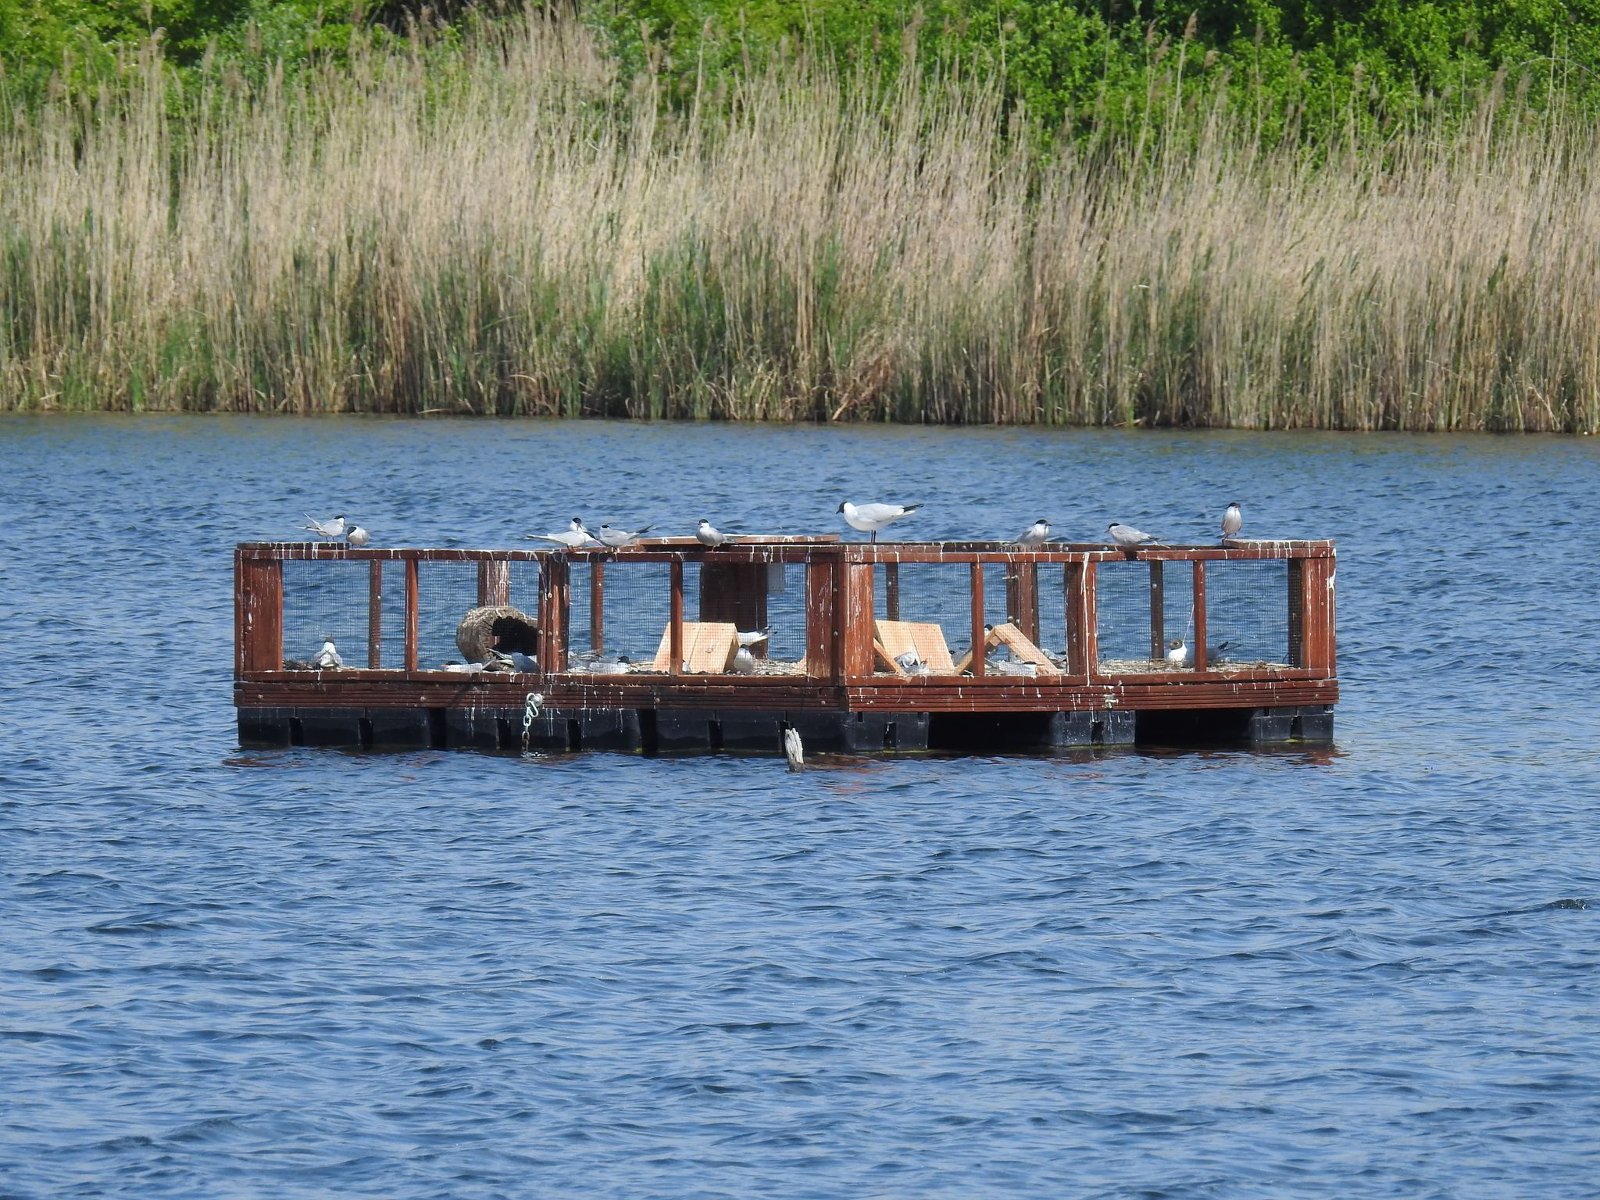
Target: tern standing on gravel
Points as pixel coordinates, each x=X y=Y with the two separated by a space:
x=1232 y=521
x=870 y=518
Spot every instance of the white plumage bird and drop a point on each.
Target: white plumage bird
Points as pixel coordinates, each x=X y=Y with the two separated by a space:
x=357 y=536
x=328 y=656
x=1177 y=652
x=707 y=534
x=1036 y=534
x=754 y=638
x=1232 y=521
x=617 y=539
x=332 y=529
x=744 y=663
x=1128 y=537
x=793 y=750
x=573 y=536
x=871 y=518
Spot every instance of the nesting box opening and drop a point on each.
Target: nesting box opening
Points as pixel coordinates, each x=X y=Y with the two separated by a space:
x=497 y=627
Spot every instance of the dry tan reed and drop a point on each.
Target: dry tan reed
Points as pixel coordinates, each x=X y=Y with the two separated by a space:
x=515 y=230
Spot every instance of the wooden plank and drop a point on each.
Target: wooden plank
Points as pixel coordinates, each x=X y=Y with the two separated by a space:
x=1022 y=647
x=1022 y=597
x=554 y=577
x=597 y=606
x=1197 y=652
x=675 y=620
x=708 y=648
x=735 y=592
x=891 y=590
x=1297 y=613
x=1083 y=618
x=375 y=614
x=1317 y=606
x=854 y=619
x=822 y=658
x=258 y=615
x=980 y=631
x=1158 y=611
x=413 y=614
x=925 y=639
x=494 y=583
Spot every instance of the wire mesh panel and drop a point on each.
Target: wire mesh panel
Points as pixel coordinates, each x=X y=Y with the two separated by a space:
x=635 y=610
x=784 y=651
x=1146 y=615
x=1122 y=602
x=933 y=594
x=325 y=600
x=446 y=593
x=522 y=591
x=1247 y=612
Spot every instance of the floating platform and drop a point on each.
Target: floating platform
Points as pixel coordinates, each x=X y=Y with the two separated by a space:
x=867 y=647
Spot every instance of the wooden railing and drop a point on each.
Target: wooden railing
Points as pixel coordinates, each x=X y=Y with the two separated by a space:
x=839 y=605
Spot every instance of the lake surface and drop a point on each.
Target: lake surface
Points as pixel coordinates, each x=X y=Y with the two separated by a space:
x=1371 y=972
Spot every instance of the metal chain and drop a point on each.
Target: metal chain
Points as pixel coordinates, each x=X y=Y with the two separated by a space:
x=530 y=710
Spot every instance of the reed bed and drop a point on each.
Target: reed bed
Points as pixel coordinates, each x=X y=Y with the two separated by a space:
x=516 y=230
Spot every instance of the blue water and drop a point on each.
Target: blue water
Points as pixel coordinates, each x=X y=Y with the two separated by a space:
x=1370 y=972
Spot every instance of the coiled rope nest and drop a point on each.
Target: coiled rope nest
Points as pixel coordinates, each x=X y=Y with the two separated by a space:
x=496 y=627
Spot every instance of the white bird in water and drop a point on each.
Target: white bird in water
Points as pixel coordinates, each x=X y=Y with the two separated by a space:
x=328 y=656
x=332 y=530
x=573 y=536
x=744 y=663
x=357 y=536
x=793 y=750
x=1232 y=521
x=754 y=638
x=1036 y=534
x=1177 y=652
x=707 y=534
x=616 y=538
x=870 y=518
x=1128 y=537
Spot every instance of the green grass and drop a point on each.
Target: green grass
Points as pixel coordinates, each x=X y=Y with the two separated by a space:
x=514 y=227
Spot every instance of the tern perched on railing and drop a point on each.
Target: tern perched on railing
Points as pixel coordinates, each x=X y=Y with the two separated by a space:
x=870 y=518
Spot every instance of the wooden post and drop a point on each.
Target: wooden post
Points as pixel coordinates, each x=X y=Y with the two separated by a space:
x=1317 y=608
x=1022 y=597
x=1297 y=610
x=1083 y=639
x=1158 y=611
x=494 y=582
x=822 y=658
x=375 y=614
x=258 y=614
x=854 y=619
x=891 y=591
x=597 y=605
x=675 y=620
x=735 y=592
x=980 y=635
x=413 y=615
x=1198 y=654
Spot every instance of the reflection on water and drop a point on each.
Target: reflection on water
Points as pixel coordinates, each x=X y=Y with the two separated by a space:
x=452 y=974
